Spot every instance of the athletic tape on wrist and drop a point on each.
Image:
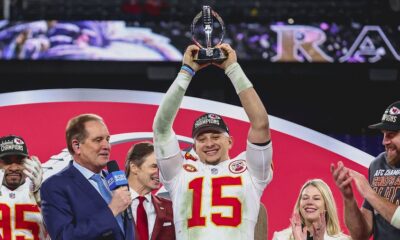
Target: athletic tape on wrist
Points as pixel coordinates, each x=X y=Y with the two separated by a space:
x=238 y=77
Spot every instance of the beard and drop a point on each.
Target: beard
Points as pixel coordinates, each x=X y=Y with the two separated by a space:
x=392 y=155
x=13 y=179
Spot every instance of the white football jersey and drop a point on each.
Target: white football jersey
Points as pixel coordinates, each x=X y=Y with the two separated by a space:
x=20 y=214
x=218 y=201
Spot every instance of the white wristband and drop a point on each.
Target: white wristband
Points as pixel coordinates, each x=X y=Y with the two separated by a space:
x=238 y=77
x=396 y=218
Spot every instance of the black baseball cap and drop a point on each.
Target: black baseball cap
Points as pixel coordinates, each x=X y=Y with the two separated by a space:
x=13 y=145
x=390 y=119
x=209 y=122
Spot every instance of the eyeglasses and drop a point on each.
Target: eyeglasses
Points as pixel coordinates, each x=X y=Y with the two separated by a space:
x=12 y=159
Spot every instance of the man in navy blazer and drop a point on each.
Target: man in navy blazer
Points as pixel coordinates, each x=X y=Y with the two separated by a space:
x=74 y=205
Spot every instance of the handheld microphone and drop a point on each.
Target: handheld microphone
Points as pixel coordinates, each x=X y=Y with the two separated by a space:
x=115 y=179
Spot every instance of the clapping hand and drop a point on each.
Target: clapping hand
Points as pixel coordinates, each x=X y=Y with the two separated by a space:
x=299 y=232
x=361 y=183
x=342 y=178
x=319 y=227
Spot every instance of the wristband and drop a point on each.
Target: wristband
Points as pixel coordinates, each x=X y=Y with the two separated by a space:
x=396 y=218
x=238 y=78
x=188 y=69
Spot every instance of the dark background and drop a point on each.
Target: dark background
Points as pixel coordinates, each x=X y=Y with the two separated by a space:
x=338 y=99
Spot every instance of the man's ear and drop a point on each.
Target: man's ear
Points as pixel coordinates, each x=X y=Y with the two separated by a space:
x=230 y=140
x=75 y=146
x=133 y=168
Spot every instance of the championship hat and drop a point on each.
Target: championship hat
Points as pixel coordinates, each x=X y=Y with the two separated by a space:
x=390 y=119
x=209 y=122
x=12 y=145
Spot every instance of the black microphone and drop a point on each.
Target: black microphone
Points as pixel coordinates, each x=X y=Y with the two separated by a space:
x=115 y=179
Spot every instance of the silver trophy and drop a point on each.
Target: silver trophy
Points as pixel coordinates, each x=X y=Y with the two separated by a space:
x=209 y=53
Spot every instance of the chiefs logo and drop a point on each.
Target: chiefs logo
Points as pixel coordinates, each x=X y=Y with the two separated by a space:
x=18 y=141
x=394 y=111
x=213 y=116
x=237 y=166
x=189 y=156
x=189 y=167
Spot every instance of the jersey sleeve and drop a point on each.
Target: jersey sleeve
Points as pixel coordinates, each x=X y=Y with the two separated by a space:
x=259 y=162
x=169 y=160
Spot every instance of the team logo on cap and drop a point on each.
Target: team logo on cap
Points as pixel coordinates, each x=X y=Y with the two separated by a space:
x=213 y=116
x=237 y=166
x=189 y=168
x=210 y=119
x=394 y=111
x=18 y=141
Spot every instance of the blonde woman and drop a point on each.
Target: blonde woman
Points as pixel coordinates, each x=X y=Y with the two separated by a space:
x=314 y=216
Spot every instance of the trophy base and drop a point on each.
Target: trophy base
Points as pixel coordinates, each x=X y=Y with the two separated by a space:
x=210 y=55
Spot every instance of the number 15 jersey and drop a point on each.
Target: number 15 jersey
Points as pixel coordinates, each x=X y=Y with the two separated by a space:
x=218 y=201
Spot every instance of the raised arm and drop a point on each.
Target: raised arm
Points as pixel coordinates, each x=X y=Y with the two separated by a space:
x=165 y=142
x=259 y=125
x=259 y=151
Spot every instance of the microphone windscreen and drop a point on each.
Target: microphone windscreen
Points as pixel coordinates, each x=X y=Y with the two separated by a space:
x=116 y=179
x=112 y=166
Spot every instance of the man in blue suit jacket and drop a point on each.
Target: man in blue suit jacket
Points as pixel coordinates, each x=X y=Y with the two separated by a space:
x=74 y=205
